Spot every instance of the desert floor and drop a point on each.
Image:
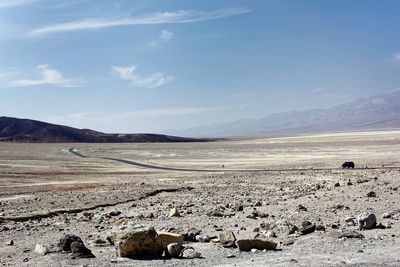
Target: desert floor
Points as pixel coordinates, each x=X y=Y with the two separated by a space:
x=47 y=192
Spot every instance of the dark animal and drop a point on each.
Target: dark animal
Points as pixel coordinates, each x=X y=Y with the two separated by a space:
x=348 y=165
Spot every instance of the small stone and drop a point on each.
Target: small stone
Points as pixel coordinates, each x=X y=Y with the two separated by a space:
x=174 y=213
x=65 y=243
x=190 y=253
x=337 y=184
x=114 y=213
x=230 y=256
x=227 y=239
x=258 y=244
x=258 y=204
x=10 y=243
x=371 y=194
x=301 y=208
x=280 y=227
x=40 y=250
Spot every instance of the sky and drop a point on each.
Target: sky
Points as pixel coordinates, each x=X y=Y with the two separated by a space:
x=158 y=66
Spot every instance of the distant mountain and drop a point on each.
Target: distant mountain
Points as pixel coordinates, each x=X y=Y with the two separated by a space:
x=31 y=131
x=374 y=113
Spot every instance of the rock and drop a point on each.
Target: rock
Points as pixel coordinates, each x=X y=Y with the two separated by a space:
x=203 y=238
x=280 y=227
x=40 y=250
x=269 y=234
x=371 y=194
x=395 y=214
x=258 y=204
x=307 y=228
x=190 y=253
x=78 y=249
x=174 y=250
x=320 y=227
x=10 y=243
x=348 y=234
x=65 y=243
x=230 y=256
x=337 y=184
x=351 y=221
x=168 y=238
x=114 y=213
x=249 y=244
x=227 y=239
x=366 y=220
x=301 y=208
x=135 y=241
x=174 y=213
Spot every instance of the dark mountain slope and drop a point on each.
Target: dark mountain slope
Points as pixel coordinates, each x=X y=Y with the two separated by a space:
x=31 y=131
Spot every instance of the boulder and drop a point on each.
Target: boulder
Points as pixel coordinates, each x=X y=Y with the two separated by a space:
x=366 y=220
x=249 y=244
x=227 y=239
x=280 y=227
x=135 y=241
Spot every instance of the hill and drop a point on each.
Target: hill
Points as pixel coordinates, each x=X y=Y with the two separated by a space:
x=31 y=131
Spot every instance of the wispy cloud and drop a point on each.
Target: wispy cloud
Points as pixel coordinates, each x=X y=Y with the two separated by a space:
x=48 y=77
x=181 y=16
x=83 y=119
x=14 y=3
x=150 y=81
x=8 y=73
x=166 y=35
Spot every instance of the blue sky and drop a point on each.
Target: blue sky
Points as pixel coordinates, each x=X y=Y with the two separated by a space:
x=154 y=65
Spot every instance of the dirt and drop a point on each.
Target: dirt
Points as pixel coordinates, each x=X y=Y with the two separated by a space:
x=45 y=193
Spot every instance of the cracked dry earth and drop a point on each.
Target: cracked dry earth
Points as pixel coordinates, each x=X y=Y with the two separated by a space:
x=43 y=211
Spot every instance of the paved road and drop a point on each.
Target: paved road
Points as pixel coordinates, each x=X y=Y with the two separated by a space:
x=159 y=167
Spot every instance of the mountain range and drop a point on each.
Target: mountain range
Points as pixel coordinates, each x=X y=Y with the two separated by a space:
x=379 y=112
x=31 y=131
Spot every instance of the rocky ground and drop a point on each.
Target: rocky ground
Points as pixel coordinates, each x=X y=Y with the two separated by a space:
x=208 y=205
x=60 y=210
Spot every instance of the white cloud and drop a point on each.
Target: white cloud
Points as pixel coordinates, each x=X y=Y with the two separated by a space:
x=48 y=77
x=181 y=16
x=166 y=35
x=14 y=3
x=151 y=81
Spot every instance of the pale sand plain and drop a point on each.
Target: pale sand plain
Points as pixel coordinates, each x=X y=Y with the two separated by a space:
x=45 y=178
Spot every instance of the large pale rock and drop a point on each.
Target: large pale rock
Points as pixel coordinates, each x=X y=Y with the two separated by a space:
x=135 y=241
x=366 y=220
x=280 y=227
x=227 y=239
x=40 y=250
x=249 y=244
